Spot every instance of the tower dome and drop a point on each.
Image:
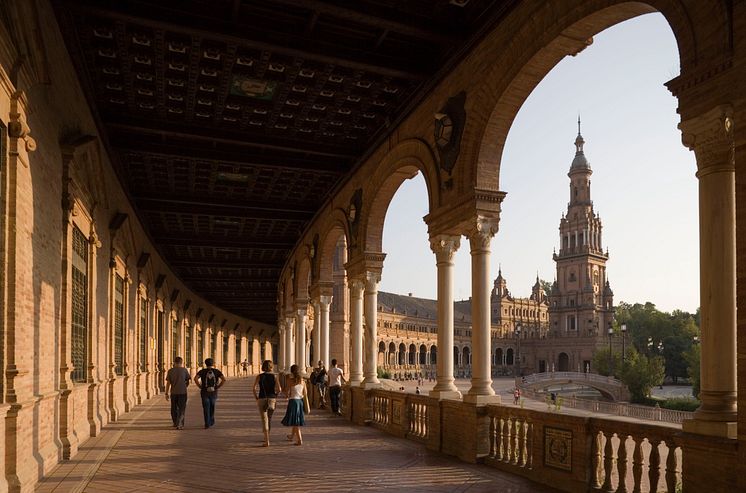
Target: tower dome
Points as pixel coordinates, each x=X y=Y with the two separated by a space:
x=579 y=163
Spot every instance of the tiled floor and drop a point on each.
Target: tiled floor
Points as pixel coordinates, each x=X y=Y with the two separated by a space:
x=143 y=452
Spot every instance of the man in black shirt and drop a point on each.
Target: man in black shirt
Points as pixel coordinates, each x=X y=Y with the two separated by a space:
x=209 y=380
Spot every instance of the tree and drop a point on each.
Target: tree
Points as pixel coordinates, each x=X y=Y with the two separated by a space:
x=605 y=365
x=546 y=286
x=642 y=373
x=692 y=358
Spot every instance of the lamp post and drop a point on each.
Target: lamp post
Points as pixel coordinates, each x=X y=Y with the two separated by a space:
x=624 y=340
x=518 y=352
x=611 y=359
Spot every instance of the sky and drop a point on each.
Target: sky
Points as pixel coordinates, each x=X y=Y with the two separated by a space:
x=643 y=183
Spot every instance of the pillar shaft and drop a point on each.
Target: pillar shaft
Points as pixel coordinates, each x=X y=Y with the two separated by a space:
x=300 y=339
x=316 y=335
x=281 y=359
x=371 y=329
x=444 y=248
x=481 y=378
x=324 y=304
x=711 y=138
x=289 y=348
x=356 y=330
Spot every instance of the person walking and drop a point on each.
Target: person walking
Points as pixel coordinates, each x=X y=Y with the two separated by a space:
x=266 y=398
x=177 y=380
x=209 y=380
x=336 y=378
x=245 y=367
x=320 y=382
x=297 y=405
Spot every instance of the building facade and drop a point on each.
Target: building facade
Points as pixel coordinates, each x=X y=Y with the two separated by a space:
x=556 y=331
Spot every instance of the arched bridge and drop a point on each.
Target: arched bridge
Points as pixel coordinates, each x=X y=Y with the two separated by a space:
x=610 y=387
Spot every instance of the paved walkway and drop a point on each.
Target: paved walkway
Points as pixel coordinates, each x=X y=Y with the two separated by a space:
x=142 y=452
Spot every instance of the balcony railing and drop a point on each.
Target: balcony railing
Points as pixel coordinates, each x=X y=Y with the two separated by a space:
x=568 y=451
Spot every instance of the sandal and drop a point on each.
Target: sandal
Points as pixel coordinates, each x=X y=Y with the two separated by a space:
x=290 y=437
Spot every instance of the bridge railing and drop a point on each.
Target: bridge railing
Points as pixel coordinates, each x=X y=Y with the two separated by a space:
x=618 y=408
x=567 y=375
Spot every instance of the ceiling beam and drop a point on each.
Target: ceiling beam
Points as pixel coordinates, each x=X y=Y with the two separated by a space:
x=226 y=263
x=243 y=279
x=215 y=138
x=215 y=241
x=222 y=33
x=239 y=158
x=216 y=209
x=369 y=20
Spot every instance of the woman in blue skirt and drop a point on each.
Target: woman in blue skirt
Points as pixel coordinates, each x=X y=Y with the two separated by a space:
x=294 y=416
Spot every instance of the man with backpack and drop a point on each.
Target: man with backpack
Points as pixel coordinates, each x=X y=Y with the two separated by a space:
x=209 y=380
x=319 y=380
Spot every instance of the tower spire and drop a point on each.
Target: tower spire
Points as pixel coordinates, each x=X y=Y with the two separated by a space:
x=578 y=123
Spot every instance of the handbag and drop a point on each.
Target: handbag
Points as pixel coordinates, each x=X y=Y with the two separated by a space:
x=306 y=406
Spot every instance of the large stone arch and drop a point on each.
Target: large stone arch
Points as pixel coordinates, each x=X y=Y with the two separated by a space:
x=403 y=162
x=327 y=245
x=535 y=48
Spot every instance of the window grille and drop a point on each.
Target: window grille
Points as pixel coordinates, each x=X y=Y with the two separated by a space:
x=143 y=334
x=188 y=348
x=200 y=348
x=119 y=325
x=174 y=340
x=79 y=346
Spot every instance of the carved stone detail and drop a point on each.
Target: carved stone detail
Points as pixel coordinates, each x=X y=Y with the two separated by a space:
x=444 y=247
x=481 y=233
x=711 y=137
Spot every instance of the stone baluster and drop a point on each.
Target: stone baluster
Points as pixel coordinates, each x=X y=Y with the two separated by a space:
x=608 y=462
x=621 y=464
x=637 y=463
x=671 y=466
x=654 y=466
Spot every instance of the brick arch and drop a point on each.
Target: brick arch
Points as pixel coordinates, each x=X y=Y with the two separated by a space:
x=328 y=244
x=302 y=279
x=537 y=47
x=401 y=163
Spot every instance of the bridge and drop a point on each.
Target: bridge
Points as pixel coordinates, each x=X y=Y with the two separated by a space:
x=610 y=387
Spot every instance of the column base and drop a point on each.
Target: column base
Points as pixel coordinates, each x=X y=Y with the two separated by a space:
x=482 y=400
x=723 y=429
x=453 y=395
x=371 y=384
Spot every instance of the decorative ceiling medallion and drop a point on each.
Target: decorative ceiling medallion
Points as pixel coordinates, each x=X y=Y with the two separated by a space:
x=449 y=128
x=253 y=88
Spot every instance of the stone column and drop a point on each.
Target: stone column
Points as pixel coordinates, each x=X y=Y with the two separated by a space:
x=371 y=330
x=480 y=237
x=289 y=347
x=711 y=137
x=356 y=330
x=324 y=304
x=444 y=248
x=300 y=337
x=281 y=353
x=316 y=335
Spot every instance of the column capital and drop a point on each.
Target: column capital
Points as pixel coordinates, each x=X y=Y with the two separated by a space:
x=444 y=247
x=325 y=301
x=481 y=231
x=301 y=310
x=711 y=137
x=356 y=284
x=371 y=278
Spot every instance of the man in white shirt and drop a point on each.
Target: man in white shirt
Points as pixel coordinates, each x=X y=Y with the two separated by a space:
x=336 y=378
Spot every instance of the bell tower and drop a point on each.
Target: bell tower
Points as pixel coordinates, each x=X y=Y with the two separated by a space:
x=581 y=304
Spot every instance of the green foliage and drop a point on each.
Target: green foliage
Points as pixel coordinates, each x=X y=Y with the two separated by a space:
x=656 y=333
x=641 y=373
x=605 y=365
x=546 y=286
x=692 y=357
x=680 y=404
x=383 y=373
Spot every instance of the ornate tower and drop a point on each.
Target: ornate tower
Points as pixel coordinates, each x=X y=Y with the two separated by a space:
x=581 y=303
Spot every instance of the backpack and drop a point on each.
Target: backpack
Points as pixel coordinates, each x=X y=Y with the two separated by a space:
x=211 y=381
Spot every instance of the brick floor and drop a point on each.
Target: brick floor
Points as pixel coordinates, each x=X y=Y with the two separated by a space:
x=142 y=452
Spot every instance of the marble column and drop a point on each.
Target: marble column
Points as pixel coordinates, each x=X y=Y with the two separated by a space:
x=356 y=330
x=316 y=335
x=289 y=347
x=300 y=338
x=711 y=137
x=480 y=237
x=371 y=330
x=281 y=363
x=444 y=248
x=324 y=304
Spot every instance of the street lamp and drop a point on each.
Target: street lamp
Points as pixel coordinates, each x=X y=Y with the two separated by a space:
x=611 y=359
x=624 y=340
x=518 y=352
